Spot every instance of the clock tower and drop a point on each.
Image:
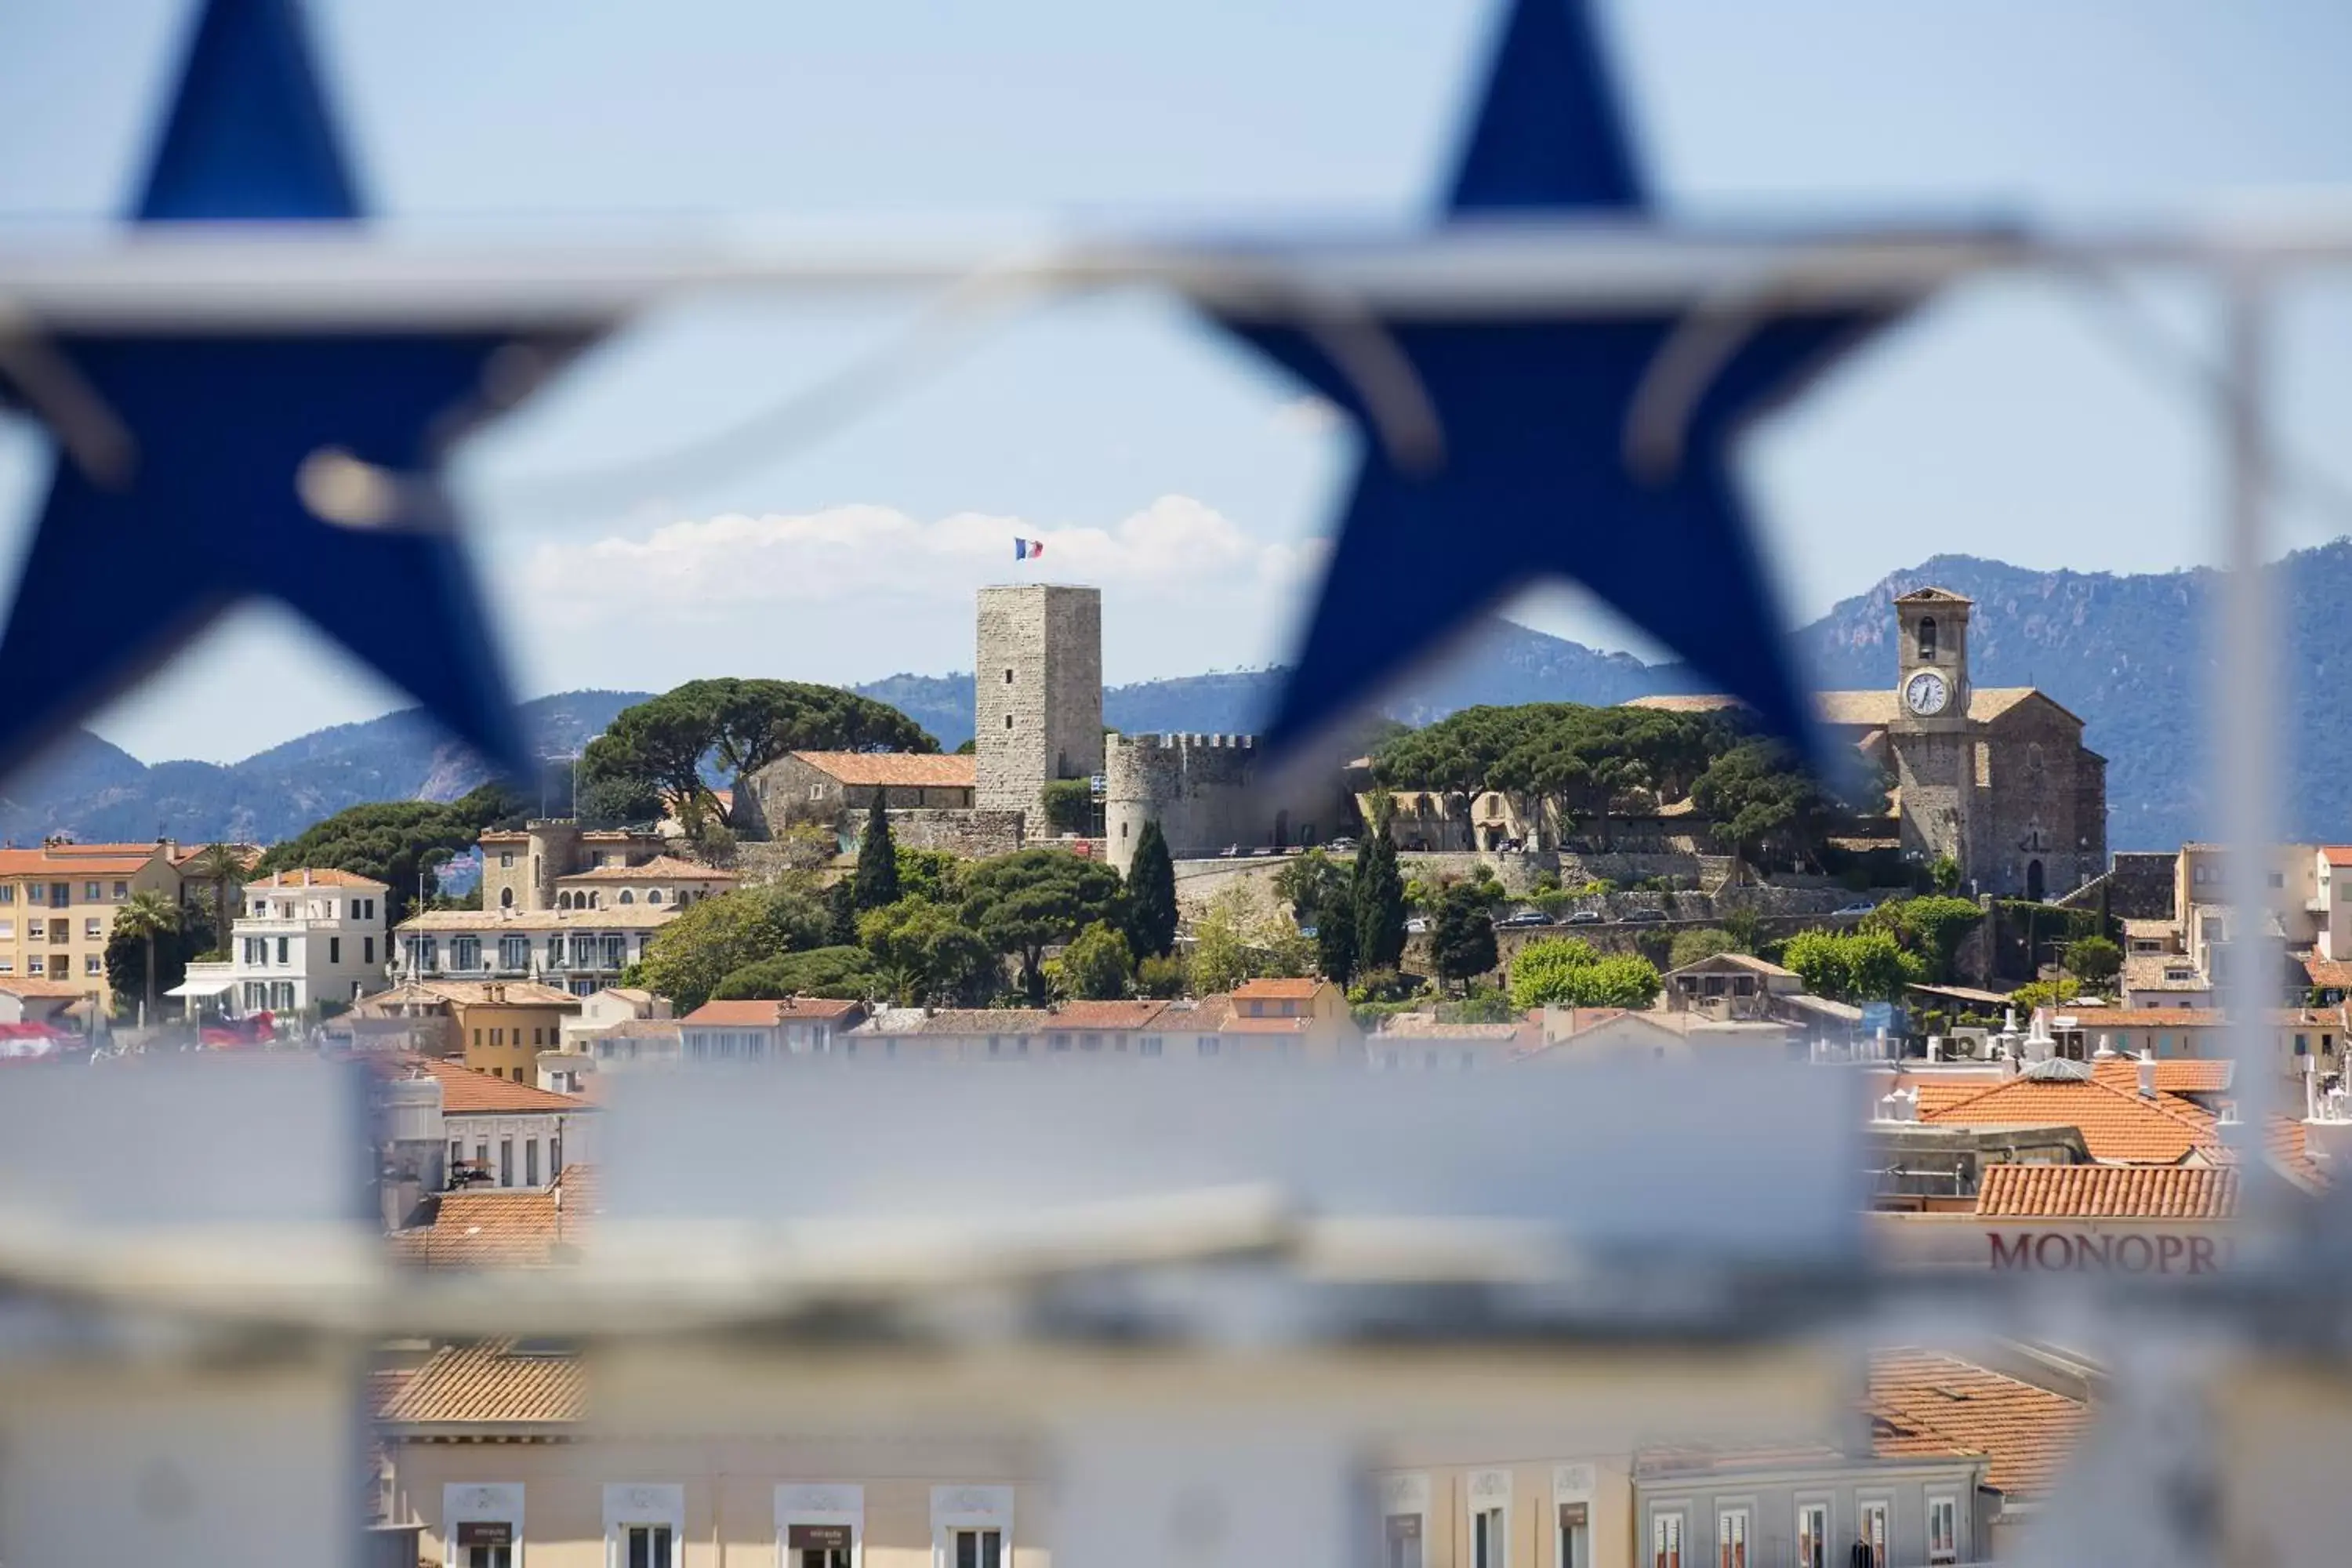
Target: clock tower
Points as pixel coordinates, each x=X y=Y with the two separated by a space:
x=1931 y=683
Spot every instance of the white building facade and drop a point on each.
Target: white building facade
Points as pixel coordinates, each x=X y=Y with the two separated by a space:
x=305 y=937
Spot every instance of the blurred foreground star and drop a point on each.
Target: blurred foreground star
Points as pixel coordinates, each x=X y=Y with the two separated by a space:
x=198 y=468
x=1532 y=405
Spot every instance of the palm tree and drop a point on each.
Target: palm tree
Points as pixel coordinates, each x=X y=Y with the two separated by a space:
x=147 y=916
x=224 y=866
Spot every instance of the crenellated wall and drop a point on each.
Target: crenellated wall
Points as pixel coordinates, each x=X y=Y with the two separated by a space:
x=1208 y=792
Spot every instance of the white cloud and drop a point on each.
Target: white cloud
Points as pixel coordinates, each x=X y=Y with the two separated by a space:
x=1178 y=547
x=852 y=592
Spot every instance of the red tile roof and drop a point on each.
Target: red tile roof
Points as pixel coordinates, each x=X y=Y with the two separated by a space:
x=2118 y=1126
x=1106 y=1015
x=317 y=877
x=67 y=860
x=2174 y=1075
x=2338 y=854
x=768 y=1014
x=465 y=1092
x=661 y=869
x=1934 y=1403
x=1292 y=990
x=907 y=770
x=2327 y=971
x=2290 y=1152
x=2108 y=1191
x=492 y=1227
x=495 y=1384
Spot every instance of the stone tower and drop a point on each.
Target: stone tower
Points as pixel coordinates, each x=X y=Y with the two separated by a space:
x=1036 y=694
x=1934 y=761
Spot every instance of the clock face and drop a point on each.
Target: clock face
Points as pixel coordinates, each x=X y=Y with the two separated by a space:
x=1927 y=692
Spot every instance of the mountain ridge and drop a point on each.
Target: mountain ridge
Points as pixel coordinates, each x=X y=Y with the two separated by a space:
x=2127 y=652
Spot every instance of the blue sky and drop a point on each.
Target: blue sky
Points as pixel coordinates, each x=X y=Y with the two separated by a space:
x=1153 y=458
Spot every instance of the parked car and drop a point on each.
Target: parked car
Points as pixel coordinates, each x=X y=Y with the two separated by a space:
x=1520 y=918
x=1864 y=907
x=1261 y=850
x=1646 y=917
x=1417 y=926
x=1583 y=918
x=1341 y=846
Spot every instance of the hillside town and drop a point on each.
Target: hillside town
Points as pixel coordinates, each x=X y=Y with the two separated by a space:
x=804 y=877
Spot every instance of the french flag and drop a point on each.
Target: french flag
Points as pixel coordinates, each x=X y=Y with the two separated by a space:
x=1028 y=549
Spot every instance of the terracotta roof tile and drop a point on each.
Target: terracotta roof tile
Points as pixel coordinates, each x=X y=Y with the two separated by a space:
x=1270 y=990
x=465 y=993
x=2290 y=1154
x=1141 y=1014
x=2327 y=971
x=2108 y=1191
x=2337 y=853
x=910 y=770
x=490 y=923
x=661 y=869
x=505 y=1227
x=318 y=877
x=768 y=1014
x=76 y=861
x=1934 y=1403
x=2174 y=1075
x=2118 y=1127
x=492 y=1383
x=465 y=1092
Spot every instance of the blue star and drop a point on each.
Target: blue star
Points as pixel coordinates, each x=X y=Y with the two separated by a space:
x=257 y=463
x=1533 y=479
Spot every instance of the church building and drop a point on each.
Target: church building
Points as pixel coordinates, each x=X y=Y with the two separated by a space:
x=1996 y=777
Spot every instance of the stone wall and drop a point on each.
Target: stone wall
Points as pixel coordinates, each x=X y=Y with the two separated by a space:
x=2140 y=886
x=972 y=833
x=1037 y=692
x=1207 y=791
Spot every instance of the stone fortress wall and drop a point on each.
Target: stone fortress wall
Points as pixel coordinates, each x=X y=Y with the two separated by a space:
x=1208 y=792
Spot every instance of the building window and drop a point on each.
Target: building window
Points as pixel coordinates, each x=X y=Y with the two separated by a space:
x=652 y=894
x=93 y=963
x=616 y=951
x=121 y=889
x=977 y=1549
x=90 y=930
x=506 y=898
x=498 y=1037
x=506 y=859
x=647 y=1546
x=514 y=952
x=485 y=1543
x=60 y=894
x=531 y=1162
x=257 y=951
x=8 y=893
x=35 y=894
x=1873 y=1530
x=1489 y=1538
x=281 y=949
x=89 y=893
x=1008 y=678
x=1942 y=1529
x=627 y=896
x=506 y=1159
x=367 y=950
x=1813 y=1535
x=1731 y=1538
x=465 y=953
x=1666 y=1540
x=478 y=1039
x=1206 y=1045
x=334 y=949
x=1008 y=720
x=1927 y=637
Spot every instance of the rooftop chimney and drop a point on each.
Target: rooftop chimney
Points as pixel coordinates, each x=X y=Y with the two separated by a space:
x=2106 y=1050
x=2147 y=1074
x=2039 y=1046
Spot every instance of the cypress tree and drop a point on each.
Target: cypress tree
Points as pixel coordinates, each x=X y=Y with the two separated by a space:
x=1152 y=894
x=878 y=860
x=1378 y=896
x=1335 y=935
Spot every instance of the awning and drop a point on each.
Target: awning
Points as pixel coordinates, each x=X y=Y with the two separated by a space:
x=199 y=987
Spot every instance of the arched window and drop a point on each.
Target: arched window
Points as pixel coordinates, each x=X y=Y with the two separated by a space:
x=2033 y=756
x=595 y=901
x=1927 y=637
x=627 y=896
x=506 y=898
x=652 y=894
x=563 y=900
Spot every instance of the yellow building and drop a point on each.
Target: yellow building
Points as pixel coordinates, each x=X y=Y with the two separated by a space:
x=58 y=904
x=500 y=1026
